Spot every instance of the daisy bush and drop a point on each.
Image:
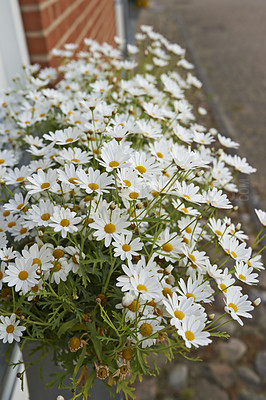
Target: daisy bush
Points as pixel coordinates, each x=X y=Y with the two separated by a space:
x=117 y=219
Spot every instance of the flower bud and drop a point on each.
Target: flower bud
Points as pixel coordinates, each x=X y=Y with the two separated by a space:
x=256 y=302
x=211 y=317
x=235 y=208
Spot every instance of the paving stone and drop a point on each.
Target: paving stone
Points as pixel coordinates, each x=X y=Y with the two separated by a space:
x=223 y=374
x=232 y=350
x=205 y=390
x=178 y=377
x=250 y=395
x=260 y=363
x=249 y=376
x=147 y=389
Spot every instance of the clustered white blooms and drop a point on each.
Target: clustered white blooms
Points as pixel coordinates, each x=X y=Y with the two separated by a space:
x=110 y=164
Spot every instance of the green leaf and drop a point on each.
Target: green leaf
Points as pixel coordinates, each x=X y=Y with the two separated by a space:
x=66 y=326
x=80 y=360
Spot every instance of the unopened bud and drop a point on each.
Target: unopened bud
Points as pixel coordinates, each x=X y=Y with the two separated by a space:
x=235 y=208
x=213 y=149
x=139 y=205
x=39 y=271
x=199 y=173
x=219 y=152
x=112 y=206
x=228 y=223
x=60 y=397
x=238 y=227
x=105 y=120
x=22 y=317
x=211 y=317
x=19 y=375
x=256 y=302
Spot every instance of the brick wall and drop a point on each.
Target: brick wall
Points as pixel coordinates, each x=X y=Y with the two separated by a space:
x=52 y=23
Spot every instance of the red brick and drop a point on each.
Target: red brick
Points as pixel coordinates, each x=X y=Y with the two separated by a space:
x=36 y=45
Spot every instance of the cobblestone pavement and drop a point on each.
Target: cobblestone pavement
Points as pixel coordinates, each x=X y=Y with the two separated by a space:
x=227 y=38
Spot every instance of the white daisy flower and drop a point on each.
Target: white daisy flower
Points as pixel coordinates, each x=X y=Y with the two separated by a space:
x=22 y=275
x=68 y=175
x=227 y=142
x=17 y=204
x=170 y=245
x=217 y=199
x=188 y=192
x=237 y=304
x=41 y=256
x=245 y=273
x=66 y=136
x=93 y=181
x=148 y=327
x=262 y=217
x=60 y=270
x=17 y=175
x=195 y=289
x=2 y=273
x=125 y=247
x=41 y=181
x=192 y=332
x=73 y=155
x=109 y=225
x=179 y=307
x=234 y=249
x=63 y=220
x=114 y=155
x=10 y=329
x=39 y=215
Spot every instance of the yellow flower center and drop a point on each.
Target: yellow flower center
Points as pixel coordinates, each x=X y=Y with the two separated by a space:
x=223 y=287
x=127 y=353
x=167 y=291
x=179 y=314
x=10 y=329
x=64 y=222
x=146 y=329
x=134 y=306
x=6 y=213
x=160 y=155
x=2 y=161
x=242 y=277
x=58 y=253
x=23 y=275
x=45 y=216
x=110 y=228
x=192 y=257
x=188 y=295
x=126 y=247
x=186 y=196
x=19 y=207
x=189 y=335
x=69 y=140
x=93 y=186
x=36 y=261
x=20 y=179
x=76 y=160
x=1 y=275
x=219 y=233
x=141 y=169
x=185 y=210
x=75 y=258
x=233 y=254
x=188 y=229
x=113 y=164
x=127 y=183
x=233 y=306
x=23 y=230
x=57 y=267
x=74 y=181
x=45 y=185
x=168 y=247
x=11 y=224
x=133 y=195
x=142 y=287
x=74 y=343
x=35 y=288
